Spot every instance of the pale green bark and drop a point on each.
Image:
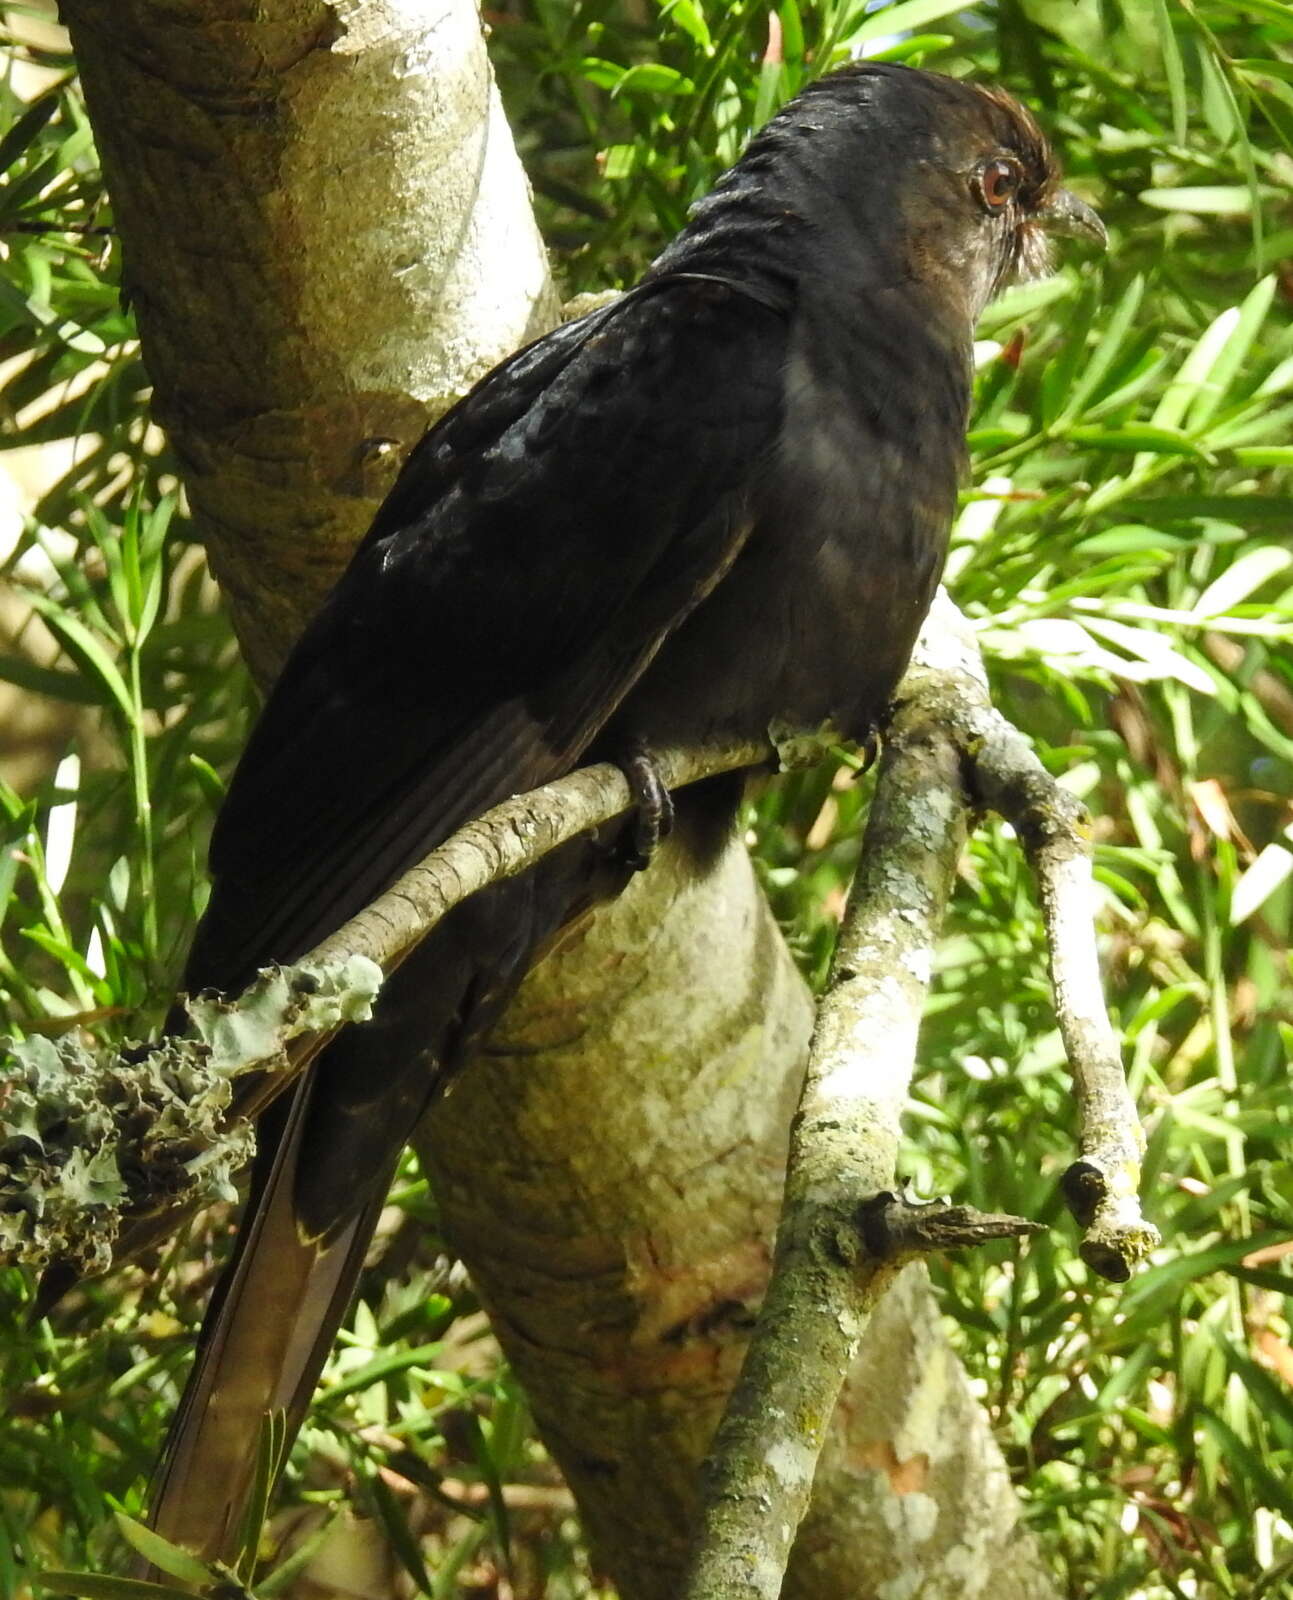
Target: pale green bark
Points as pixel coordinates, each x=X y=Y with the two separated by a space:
x=327 y=239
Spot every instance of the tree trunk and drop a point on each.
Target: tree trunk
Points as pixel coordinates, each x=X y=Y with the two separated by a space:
x=327 y=238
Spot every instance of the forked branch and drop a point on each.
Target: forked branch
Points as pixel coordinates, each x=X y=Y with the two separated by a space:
x=844 y=1232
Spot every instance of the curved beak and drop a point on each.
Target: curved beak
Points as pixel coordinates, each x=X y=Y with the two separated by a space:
x=1065 y=213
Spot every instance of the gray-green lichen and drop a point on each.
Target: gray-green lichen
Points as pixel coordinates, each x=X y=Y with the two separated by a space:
x=798 y=746
x=86 y=1136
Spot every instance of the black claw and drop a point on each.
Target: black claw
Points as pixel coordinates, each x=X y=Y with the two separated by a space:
x=653 y=819
x=869 y=749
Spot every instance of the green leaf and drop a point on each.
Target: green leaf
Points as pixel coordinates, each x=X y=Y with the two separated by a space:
x=488 y=1468
x=1058 y=378
x=1263 y=1278
x=792 y=32
x=1272 y=1397
x=1173 y=70
x=293 y=1565
x=653 y=77
x=69 y=687
x=1276 y=11
x=392 y=1518
x=1196 y=368
x=1247 y=1466
x=1025 y=301
x=1129 y=538
x=913 y=49
x=209 y=780
x=384 y=1366
x=1239 y=508
x=1107 y=348
x=905 y=17
x=691 y=20
x=271 y=1441
x=84 y=648
x=1264 y=455
x=1259 y=882
x=770 y=95
x=1138 y=437
x=162 y=1554
x=23 y=133
x=1221 y=200
x=1232 y=354
x=93 y=1586
x=1237 y=582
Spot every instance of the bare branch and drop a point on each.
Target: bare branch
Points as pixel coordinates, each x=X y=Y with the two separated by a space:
x=510 y=838
x=843 y=1151
x=1102 y=1187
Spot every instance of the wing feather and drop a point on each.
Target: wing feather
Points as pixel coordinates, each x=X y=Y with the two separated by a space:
x=540 y=544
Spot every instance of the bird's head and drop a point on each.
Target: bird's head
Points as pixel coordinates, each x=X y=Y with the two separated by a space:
x=981 y=197
x=879 y=175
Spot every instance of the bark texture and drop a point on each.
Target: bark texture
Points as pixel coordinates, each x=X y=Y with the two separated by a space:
x=327 y=237
x=612 y=1172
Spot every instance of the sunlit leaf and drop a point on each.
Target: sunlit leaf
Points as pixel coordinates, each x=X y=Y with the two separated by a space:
x=1221 y=199
x=1260 y=880
x=1238 y=581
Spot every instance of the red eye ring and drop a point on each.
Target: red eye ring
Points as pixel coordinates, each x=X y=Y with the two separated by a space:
x=998 y=183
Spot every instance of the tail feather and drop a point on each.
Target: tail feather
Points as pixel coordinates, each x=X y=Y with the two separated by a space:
x=262 y=1350
x=326 y=1154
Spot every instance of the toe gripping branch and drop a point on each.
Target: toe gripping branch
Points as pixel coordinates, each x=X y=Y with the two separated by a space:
x=654 y=812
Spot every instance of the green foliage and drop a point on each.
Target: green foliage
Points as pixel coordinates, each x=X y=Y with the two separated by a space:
x=1123 y=550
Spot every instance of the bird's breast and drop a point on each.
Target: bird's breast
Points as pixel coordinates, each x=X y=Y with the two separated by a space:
x=818 y=615
x=810 y=624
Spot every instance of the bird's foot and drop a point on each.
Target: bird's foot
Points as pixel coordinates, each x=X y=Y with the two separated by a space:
x=869 y=751
x=653 y=813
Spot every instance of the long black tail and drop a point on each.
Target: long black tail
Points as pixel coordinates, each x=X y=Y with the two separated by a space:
x=326 y=1154
x=263 y=1346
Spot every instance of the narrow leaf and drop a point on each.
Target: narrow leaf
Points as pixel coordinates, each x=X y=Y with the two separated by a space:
x=94 y=1586
x=22 y=135
x=1258 y=883
x=162 y=1554
x=1220 y=199
x=903 y=18
x=1238 y=581
x=1173 y=70
x=84 y=648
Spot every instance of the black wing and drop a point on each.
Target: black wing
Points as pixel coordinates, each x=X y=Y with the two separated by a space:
x=541 y=542
x=539 y=545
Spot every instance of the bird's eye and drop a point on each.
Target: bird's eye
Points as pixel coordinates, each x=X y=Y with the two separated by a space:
x=998 y=183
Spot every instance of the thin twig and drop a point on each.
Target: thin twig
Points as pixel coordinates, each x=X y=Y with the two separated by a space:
x=1102 y=1187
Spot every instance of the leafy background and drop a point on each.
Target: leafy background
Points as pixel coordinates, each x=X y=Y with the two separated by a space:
x=1124 y=552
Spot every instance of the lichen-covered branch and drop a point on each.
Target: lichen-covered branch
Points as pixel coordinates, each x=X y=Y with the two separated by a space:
x=88 y=1139
x=89 y=1144
x=844 y=1234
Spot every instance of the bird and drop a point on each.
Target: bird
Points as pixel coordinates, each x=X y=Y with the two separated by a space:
x=718 y=502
